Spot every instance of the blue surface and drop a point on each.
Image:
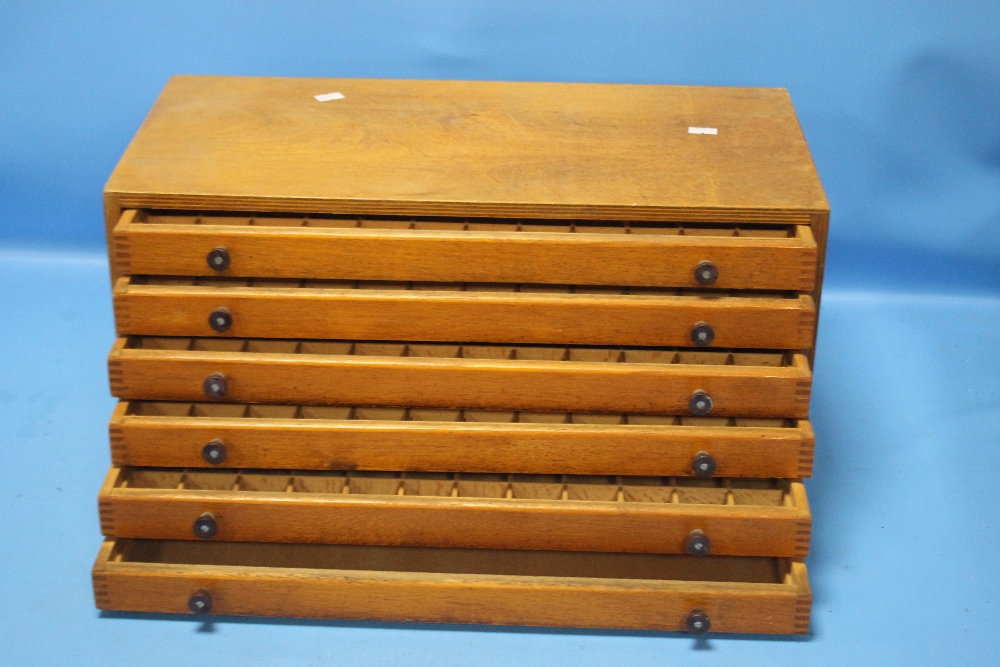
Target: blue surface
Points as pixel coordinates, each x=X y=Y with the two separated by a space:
x=899 y=99
x=900 y=104
x=906 y=407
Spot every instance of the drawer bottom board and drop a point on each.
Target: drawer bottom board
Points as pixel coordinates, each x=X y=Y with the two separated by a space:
x=484 y=586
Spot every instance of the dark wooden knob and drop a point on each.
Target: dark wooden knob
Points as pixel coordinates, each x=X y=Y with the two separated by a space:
x=701 y=403
x=218 y=259
x=200 y=602
x=215 y=385
x=703 y=465
x=205 y=526
x=697 y=622
x=214 y=452
x=697 y=543
x=706 y=273
x=221 y=319
x=702 y=334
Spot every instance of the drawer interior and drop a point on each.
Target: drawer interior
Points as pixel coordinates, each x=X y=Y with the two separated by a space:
x=464 y=224
x=455 y=561
x=384 y=413
x=593 y=488
x=627 y=355
x=417 y=286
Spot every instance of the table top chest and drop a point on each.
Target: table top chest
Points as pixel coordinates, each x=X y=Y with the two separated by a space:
x=420 y=311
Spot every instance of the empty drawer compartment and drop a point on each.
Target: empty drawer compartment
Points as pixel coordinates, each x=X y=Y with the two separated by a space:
x=598 y=590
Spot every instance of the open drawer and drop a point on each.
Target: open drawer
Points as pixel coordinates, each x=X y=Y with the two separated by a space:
x=598 y=590
x=581 y=379
x=303 y=437
x=275 y=245
x=729 y=517
x=491 y=313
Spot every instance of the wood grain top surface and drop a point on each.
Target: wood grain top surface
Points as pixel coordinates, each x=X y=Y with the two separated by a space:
x=555 y=150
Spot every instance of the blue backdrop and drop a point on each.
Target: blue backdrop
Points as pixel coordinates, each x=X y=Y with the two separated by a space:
x=900 y=103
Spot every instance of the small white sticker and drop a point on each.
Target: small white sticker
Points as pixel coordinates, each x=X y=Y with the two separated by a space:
x=703 y=130
x=329 y=96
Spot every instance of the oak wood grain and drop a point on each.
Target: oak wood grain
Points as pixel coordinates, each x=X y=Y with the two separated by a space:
x=646 y=524
x=542 y=448
x=741 y=391
x=494 y=317
x=780 y=605
x=471 y=147
x=744 y=262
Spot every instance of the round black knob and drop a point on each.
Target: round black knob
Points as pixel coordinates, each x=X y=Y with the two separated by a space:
x=697 y=543
x=702 y=334
x=218 y=259
x=200 y=602
x=221 y=319
x=215 y=385
x=700 y=403
x=214 y=452
x=697 y=622
x=706 y=273
x=205 y=526
x=702 y=466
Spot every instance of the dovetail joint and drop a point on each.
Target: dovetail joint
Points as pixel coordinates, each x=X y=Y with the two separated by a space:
x=123 y=257
x=803 y=536
x=802 y=613
x=116 y=377
x=102 y=596
x=106 y=512
x=116 y=436
x=123 y=316
x=803 y=388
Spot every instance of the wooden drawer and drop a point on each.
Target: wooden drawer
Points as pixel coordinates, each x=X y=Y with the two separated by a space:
x=581 y=379
x=158 y=434
x=477 y=250
x=623 y=591
x=492 y=313
x=736 y=517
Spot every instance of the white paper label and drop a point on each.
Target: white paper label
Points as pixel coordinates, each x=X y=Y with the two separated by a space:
x=703 y=130
x=329 y=96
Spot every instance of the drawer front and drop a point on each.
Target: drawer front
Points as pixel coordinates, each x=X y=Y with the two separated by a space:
x=627 y=514
x=502 y=384
x=442 y=250
x=359 y=438
x=487 y=316
x=759 y=595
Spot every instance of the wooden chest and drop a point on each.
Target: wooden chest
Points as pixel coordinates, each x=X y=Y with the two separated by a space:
x=479 y=352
